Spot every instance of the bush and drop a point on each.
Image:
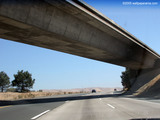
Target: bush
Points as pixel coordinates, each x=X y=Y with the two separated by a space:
x=11 y=90
x=40 y=90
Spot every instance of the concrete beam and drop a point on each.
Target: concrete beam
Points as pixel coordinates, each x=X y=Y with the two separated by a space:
x=73 y=27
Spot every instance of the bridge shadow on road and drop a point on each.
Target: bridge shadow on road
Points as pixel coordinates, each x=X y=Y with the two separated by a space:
x=54 y=99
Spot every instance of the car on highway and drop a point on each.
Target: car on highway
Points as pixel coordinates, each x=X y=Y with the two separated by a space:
x=93 y=91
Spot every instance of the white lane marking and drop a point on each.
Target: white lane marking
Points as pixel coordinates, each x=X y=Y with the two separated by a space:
x=100 y=99
x=40 y=115
x=111 y=106
x=67 y=101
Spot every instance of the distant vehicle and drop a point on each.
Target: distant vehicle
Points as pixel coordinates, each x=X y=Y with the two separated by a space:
x=93 y=91
x=115 y=89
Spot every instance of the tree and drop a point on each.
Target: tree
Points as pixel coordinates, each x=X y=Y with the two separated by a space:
x=23 y=81
x=4 y=81
x=126 y=79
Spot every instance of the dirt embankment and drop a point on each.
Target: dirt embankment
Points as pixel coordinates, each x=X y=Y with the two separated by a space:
x=150 y=89
x=147 y=84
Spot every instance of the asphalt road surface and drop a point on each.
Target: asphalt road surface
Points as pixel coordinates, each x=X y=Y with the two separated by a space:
x=94 y=106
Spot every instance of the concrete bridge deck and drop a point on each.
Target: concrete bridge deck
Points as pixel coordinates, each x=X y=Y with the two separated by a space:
x=73 y=27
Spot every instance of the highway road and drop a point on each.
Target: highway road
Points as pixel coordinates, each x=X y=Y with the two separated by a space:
x=27 y=109
x=93 y=106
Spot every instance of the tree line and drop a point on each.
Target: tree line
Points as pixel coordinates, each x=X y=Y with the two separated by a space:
x=22 y=82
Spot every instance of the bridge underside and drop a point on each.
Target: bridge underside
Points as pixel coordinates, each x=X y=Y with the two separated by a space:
x=71 y=28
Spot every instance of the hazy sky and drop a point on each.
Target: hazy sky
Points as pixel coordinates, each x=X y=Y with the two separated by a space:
x=57 y=70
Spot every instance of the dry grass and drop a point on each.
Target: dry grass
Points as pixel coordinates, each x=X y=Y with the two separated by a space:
x=19 y=96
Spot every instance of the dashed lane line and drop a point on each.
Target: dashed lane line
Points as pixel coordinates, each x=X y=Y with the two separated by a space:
x=111 y=106
x=40 y=115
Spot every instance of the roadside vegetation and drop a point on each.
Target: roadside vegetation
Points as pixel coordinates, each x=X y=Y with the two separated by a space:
x=28 y=95
x=4 y=81
x=19 y=88
x=126 y=80
x=22 y=82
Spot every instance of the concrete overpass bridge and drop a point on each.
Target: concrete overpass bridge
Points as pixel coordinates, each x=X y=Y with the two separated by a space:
x=74 y=27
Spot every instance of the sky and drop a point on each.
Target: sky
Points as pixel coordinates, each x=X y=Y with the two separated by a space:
x=57 y=70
